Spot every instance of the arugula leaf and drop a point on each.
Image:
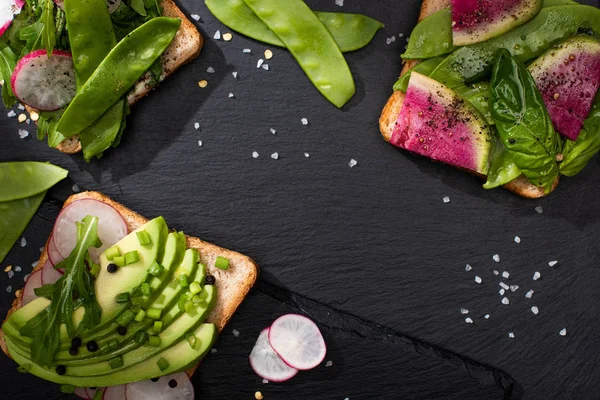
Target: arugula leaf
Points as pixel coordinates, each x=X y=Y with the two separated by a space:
x=75 y=284
x=502 y=168
x=49 y=31
x=8 y=61
x=46 y=125
x=523 y=122
x=32 y=36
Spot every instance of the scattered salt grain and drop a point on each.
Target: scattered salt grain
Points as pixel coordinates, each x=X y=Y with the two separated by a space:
x=235 y=74
x=28 y=121
x=75 y=188
x=536 y=276
x=247 y=51
x=446 y=199
x=195 y=17
x=273 y=131
x=478 y=279
x=265 y=67
x=9 y=289
x=41 y=249
x=11 y=114
x=255 y=154
x=390 y=40
x=231 y=95
x=505 y=301
x=464 y=311
x=268 y=54
x=34 y=264
x=339 y=3
x=11 y=274
x=213 y=350
x=535 y=310
x=260 y=63
x=539 y=209
x=505 y=275
x=511 y=335
x=514 y=288
x=496 y=257
x=329 y=363
x=563 y=332
x=196 y=125
x=26 y=277
x=401 y=34
x=21 y=107
x=468 y=320
x=199 y=143
x=353 y=163
x=529 y=294
x=517 y=239
x=210 y=70
x=504 y=286
x=496 y=272
x=502 y=291
x=265 y=381
x=227 y=37
x=235 y=332
x=18 y=269
x=23 y=242
x=306 y=155
x=23 y=133
x=486 y=316
x=275 y=156
x=552 y=263
x=468 y=267
x=217 y=35
x=304 y=121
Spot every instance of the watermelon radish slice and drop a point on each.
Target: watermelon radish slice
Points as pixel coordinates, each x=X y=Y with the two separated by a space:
x=111 y=226
x=266 y=363
x=475 y=21
x=53 y=255
x=568 y=77
x=170 y=387
x=8 y=9
x=33 y=282
x=45 y=83
x=49 y=274
x=437 y=123
x=298 y=341
x=82 y=393
x=115 y=393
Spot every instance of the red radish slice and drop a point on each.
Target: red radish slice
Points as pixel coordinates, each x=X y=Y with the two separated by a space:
x=298 y=341
x=92 y=392
x=45 y=83
x=266 y=363
x=111 y=226
x=82 y=392
x=33 y=282
x=115 y=393
x=53 y=253
x=49 y=274
x=171 y=387
x=8 y=9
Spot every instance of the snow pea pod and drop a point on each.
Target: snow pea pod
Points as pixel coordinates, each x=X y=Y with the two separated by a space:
x=549 y=27
x=14 y=217
x=19 y=180
x=432 y=37
x=99 y=136
x=350 y=31
x=311 y=44
x=91 y=35
x=117 y=73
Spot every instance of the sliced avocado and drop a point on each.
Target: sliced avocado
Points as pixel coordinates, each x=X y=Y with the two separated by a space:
x=20 y=317
x=178 y=357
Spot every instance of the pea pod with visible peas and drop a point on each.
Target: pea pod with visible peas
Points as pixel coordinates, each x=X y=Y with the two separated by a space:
x=117 y=73
x=350 y=31
x=311 y=45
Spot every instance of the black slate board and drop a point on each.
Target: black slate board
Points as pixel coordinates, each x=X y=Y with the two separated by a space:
x=375 y=241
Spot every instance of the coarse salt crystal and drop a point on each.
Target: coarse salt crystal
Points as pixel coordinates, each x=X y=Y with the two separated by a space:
x=464 y=311
x=539 y=209
x=536 y=276
x=23 y=242
x=247 y=51
x=265 y=67
x=529 y=294
x=18 y=269
x=496 y=272
x=21 y=107
x=11 y=273
x=260 y=63
x=486 y=316
x=339 y=3
x=9 y=289
x=304 y=121
x=468 y=267
x=478 y=279
x=217 y=35
x=196 y=125
x=329 y=363
x=496 y=257
x=535 y=310
x=511 y=335
x=446 y=199
x=517 y=239
x=505 y=301
x=213 y=350
x=231 y=95
x=41 y=249
x=210 y=70
x=255 y=154
x=273 y=131
x=11 y=114
x=235 y=74
x=275 y=156
x=563 y=332
x=401 y=34
x=514 y=288
x=23 y=133
x=468 y=320
x=195 y=17
x=502 y=291
x=235 y=332
x=265 y=381
x=75 y=188
x=306 y=155
x=35 y=263
x=26 y=277
x=552 y=263
x=199 y=143
x=505 y=275
x=504 y=286
x=353 y=163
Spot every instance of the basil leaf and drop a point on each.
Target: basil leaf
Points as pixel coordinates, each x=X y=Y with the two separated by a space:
x=8 y=61
x=502 y=168
x=523 y=122
x=49 y=31
x=578 y=153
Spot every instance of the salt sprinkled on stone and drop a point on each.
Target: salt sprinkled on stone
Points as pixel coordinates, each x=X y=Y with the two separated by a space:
x=21 y=107
x=502 y=291
x=11 y=273
x=17 y=269
x=265 y=381
x=231 y=95
x=552 y=263
x=478 y=279
x=75 y=188
x=529 y=294
x=486 y=316
x=11 y=114
x=536 y=276
x=446 y=199
x=210 y=70
x=504 y=285
x=199 y=143
x=255 y=154
x=468 y=320
x=235 y=74
x=195 y=17
x=514 y=288
x=247 y=51
x=41 y=249
x=496 y=257
x=401 y=34
x=306 y=155
x=304 y=121
x=217 y=35
x=464 y=311
x=9 y=289
x=353 y=163
x=23 y=242
x=23 y=133
x=339 y=3
x=213 y=350
x=273 y=131
x=505 y=301
x=535 y=310
x=517 y=239
x=265 y=67
x=26 y=277
x=275 y=156
x=35 y=263
x=468 y=267
x=511 y=335
x=235 y=332
x=260 y=63
x=196 y=125
x=505 y=274
x=563 y=332
x=539 y=209
x=329 y=363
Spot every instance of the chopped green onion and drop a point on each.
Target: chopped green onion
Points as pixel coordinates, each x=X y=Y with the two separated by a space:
x=141 y=337
x=157 y=326
x=222 y=262
x=181 y=302
x=162 y=364
x=195 y=287
x=183 y=281
x=113 y=344
x=154 y=313
x=203 y=295
x=95 y=270
x=67 y=389
x=135 y=309
x=191 y=339
x=143 y=238
x=155 y=269
x=112 y=252
x=154 y=341
x=189 y=306
x=137 y=300
x=99 y=394
x=119 y=261
x=123 y=298
x=116 y=362
x=140 y=316
x=132 y=257
x=126 y=317
x=146 y=289
x=196 y=299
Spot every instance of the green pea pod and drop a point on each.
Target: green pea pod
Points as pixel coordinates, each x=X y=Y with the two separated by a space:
x=20 y=180
x=432 y=37
x=91 y=35
x=424 y=68
x=549 y=27
x=350 y=31
x=311 y=44
x=119 y=71
x=14 y=217
x=578 y=153
x=99 y=136
x=502 y=168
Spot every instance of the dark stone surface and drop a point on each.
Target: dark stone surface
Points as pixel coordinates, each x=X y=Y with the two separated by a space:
x=375 y=241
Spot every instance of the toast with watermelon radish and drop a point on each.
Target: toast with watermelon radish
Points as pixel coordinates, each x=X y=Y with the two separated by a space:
x=566 y=74
x=232 y=282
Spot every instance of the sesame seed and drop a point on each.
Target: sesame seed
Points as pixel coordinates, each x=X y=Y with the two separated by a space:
x=247 y=51
x=539 y=209
x=536 y=276
x=304 y=121
x=196 y=125
x=496 y=257
x=22 y=118
x=563 y=332
x=273 y=131
x=11 y=114
x=535 y=310
x=486 y=316
x=23 y=133
x=339 y=3
x=236 y=333
x=217 y=35
x=258 y=396
x=23 y=242
x=464 y=311
x=505 y=275
x=268 y=54
x=529 y=294
x=260 y=63
x=504 y=286
x=227 y=37
x=75 y=188
x=235 y=74
x=306 y=155
x=468 y=268
x=329 y=363
x=265 y=67
x=552 y=263
x=275 y=156
x=505 y=301
x=195 y=17
x=517 y=239
x=478 y=279
x=446 y=199
x=353 y=163
x=468 y=320
x=210 y=70
x=511 y=335
x=203 y=83
x=8 y=268
x=199 y=143
x=255 y=154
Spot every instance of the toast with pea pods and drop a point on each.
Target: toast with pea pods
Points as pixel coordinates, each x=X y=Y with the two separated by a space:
x=520 y=186
x=233 y=284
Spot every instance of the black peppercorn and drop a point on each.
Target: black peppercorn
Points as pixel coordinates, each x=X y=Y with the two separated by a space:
x=76 y=342
x=172 y=383
x=112 y=268
x=60 y=369
x=74 y=351
x=154 y=379
x=92 y=346
x=121 y=330
x=209 y=280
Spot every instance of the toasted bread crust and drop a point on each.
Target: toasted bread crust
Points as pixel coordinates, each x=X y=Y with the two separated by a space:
x=233 y=284
x=520 y=186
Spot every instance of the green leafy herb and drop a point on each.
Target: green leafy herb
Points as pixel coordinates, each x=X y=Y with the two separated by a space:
x=47 y=124
x=32 y=36
x=75 y=285
x=424 y=68
x=502 y=168
x=577 y=154
x=8 y=61
x=138 y=6
x=523 y=122
x=49 y=30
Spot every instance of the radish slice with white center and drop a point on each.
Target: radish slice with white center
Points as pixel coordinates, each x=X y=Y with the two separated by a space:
x=8 y=9
x=82 y=392
x=111 y=226
x=298 y=341
x=49 y=274
x=171 y=387
x=53 y=255
x=266 y=363
x=45 y=83
x=115 y=393
x=33 y=282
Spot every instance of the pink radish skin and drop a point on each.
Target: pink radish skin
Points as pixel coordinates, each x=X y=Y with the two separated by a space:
x=53 y=253
x=45 y=83
x=49 y=274
x=111 y=226
x=115 y=393
x=82 y=392
x=160 y=390
x=91 y=392
x=298 y=341
x=33 y=282
x=8 y=9
x=266 y=363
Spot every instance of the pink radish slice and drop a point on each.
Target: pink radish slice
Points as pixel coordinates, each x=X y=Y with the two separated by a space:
x=33 y=282
x=92 y=392
x=45 y=83
x=111 y=226
x=82 y=392
x=115 y=393
x=266 y=363
x=49 y=274
x=298 y=341
x=8 y=9
x=171 y=387
x=53 y=253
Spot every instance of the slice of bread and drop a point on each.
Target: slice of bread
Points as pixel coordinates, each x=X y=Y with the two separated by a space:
x=232 y=284
x=521 y=186
x=186 y=46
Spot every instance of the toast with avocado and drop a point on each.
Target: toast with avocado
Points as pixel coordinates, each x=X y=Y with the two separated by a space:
x=155 y=301
x=453 y=103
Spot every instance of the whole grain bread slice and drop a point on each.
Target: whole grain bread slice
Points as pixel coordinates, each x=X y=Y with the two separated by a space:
x=185 y=47
x=520 y=186
x=233 y=284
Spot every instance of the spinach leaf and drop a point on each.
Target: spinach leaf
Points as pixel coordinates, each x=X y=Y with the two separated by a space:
x=502 y=168
x=523 y=122
x=49 y=30
x=8 y=61
x=578 y=153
